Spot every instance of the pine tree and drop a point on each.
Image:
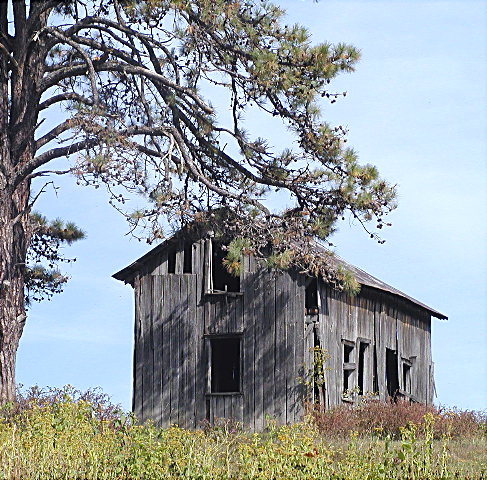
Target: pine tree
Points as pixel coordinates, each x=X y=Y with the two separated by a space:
x=130 y=77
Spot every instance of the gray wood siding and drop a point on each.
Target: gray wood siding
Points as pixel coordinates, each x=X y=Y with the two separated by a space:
x=175 y=317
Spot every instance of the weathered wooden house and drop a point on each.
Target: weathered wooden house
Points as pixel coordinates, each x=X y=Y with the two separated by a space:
x=210 y=345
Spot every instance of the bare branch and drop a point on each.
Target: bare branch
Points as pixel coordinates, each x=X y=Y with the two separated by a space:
x=55 y=132
x=87 y=59
x=59 y=152
x=62 y=97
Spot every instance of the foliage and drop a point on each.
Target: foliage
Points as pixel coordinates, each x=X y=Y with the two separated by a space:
x=133 y=80
x=46 y=238
x=59 y=437
x=233 y=258
x=372 y=417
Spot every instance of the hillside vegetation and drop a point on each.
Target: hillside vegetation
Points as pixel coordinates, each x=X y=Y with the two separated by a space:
x=68 y=435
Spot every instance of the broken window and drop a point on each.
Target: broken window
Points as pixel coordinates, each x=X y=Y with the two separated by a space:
x=171 y=261
x=348 y=351
x=406 y=376
x=361 y=366
x=225 y=364
x=375 y=382
x=188 y=257
x=392 y=376
x=348 y=365
x=222 y=279
x=311 y=305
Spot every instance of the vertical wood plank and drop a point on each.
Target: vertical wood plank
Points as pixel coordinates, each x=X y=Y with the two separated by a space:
x=268 y=342
x=248 y=360
x=281 y=301
x=147 y=382
x=166 y=352
x=157 y=301
x=258 y=350
x=138 y=353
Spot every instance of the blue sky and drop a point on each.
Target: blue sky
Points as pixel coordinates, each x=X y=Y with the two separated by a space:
x=416 y=108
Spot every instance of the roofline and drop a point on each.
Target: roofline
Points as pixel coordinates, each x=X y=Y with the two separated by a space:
x=128 y=274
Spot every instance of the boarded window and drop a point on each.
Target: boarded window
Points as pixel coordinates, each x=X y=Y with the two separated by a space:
x=311 y=305
x=225 y=364
x=188 y=258
x=222 y=279
x=392 y=377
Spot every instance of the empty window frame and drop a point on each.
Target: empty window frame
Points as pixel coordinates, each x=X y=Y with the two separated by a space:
x=311 y=297
x=221 y=279
x=375 y=380
x=348 y=365
x=188 y=257
x=406 y=375
x=362 y=367
x=225 y=364
x=392 y=374
x=171 y=261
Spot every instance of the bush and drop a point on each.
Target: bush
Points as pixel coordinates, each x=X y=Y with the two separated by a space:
x=372 y=417
x=65 y=434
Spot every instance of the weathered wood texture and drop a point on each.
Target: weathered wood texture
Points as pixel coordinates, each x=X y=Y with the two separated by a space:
x=381 y=322
x=176 y=317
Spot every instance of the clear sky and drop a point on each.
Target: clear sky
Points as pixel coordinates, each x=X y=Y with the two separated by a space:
x=416 y=108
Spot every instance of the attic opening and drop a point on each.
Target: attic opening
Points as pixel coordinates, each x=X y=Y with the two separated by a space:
x=222 y=279
x=171 y=261
x=225 y=364
x=392 y=374
x=188 y=257
x=311 y=305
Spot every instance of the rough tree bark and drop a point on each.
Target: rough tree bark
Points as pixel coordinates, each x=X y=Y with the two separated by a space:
x=20 y=73
x=13 y=249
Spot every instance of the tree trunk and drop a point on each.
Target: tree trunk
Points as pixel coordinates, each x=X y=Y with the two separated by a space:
x=14 y=239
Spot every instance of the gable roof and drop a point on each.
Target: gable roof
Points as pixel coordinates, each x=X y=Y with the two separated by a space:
x=128 y=273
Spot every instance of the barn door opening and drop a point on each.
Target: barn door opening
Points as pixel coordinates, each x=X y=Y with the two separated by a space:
x=392 y=374
x=319 y=360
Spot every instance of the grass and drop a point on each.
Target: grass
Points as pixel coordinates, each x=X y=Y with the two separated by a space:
x=68 y=435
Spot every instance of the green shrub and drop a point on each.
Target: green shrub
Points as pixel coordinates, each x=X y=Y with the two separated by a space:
x=64 y=434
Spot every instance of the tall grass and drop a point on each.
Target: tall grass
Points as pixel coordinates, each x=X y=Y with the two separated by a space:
x=68 y=435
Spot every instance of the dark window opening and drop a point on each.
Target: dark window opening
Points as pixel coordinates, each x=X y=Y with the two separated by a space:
x=361 y=366
x=375 y=383
x=311 y=297
x=346 y=380
x=225 y=365
x=406 y=377
x=188 y=258
x=223 y=280
x=348 y=366
x=347 y=353
x=171 y=261
x=392 y=380
x=318 y=369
